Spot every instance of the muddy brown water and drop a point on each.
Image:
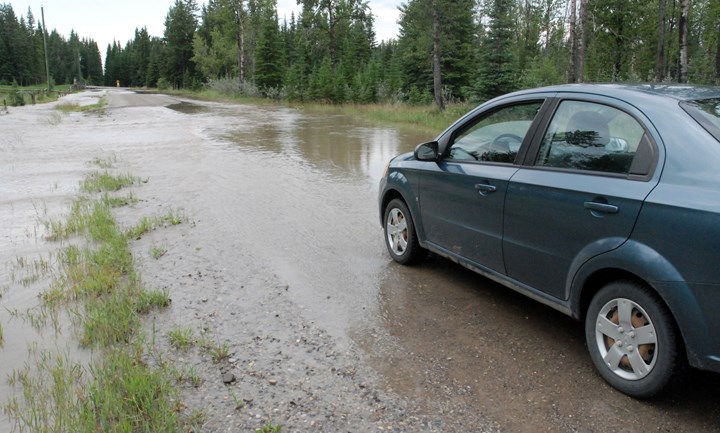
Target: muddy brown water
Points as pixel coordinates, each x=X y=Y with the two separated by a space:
x=284 y=203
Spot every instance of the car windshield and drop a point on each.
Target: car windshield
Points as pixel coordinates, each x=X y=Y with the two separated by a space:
x=707 y=113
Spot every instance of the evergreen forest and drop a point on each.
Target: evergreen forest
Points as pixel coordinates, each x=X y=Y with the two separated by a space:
x=445 y=51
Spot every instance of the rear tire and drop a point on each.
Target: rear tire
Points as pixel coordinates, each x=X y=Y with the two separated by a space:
x=632 y=339
x=400 y=236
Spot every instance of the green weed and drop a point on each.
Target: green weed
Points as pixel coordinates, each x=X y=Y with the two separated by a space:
x=181 y=338
x=239 y=404
x=269 y=428
x=119 y=201
x=188 y=374
x=149 y=300
x=148 y=224
x=108 y=162
x=218 y=352
x=157 y=251
x=117 y=393
x=26 y=272
x=103 y=182
x=194 y=421
x=145 y=225
x=73 y=224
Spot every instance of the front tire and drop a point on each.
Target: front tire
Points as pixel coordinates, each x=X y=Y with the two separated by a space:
x=632 y=339
x=400 y=236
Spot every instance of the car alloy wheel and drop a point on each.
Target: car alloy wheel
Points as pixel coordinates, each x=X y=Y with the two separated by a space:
x=632 y=339
x=400 y=236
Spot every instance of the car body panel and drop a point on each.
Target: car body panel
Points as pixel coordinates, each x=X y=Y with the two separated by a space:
x=548 y=223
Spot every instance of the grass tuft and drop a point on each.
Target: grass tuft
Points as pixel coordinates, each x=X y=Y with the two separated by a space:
x=269 y=428
x=148 y=224
x=181 y=338
x=188 y=374
x=103 y=182
x=218 y=352
x=115 y=201
x=157 y=251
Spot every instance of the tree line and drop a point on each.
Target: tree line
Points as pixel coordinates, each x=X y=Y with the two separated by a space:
x=446 y=50
x=22 y=58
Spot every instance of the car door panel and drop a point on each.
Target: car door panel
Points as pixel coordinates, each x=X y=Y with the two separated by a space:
x=551 y=217
x=461 y=205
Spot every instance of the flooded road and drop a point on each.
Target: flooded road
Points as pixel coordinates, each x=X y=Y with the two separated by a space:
x=283 y=259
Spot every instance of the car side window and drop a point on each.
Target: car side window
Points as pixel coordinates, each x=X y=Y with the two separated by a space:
x=496 y=137
x=592 y=137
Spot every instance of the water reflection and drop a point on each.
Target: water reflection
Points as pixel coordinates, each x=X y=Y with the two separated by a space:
x=337 y=144
x=188 y=108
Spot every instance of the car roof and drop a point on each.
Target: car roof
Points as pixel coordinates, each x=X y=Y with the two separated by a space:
x=678 y=92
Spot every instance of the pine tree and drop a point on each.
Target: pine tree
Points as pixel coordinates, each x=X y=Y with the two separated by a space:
x=180 y=26
x=270 y=61
x=497 y=73
x=454 y=33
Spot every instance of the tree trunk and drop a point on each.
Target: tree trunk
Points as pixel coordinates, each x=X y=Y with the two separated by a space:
x=437 y=80
x=660 y=54
x=683 y=30
x=580 y=65
x=240 y=39
x=618 y=63
x=522 y=58
x=571 y=41
x=717 y=57
x=547 y=23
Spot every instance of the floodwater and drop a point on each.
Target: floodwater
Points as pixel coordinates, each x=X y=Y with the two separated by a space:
x=283 y=257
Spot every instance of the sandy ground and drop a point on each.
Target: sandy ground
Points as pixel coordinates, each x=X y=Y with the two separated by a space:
x=281 y=258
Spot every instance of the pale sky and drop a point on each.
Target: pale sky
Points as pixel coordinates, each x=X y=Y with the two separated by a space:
x=105 y=21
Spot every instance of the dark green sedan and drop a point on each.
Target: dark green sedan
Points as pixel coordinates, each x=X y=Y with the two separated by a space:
x=601 y=201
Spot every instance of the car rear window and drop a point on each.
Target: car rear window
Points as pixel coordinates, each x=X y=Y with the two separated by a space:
x=706 y=112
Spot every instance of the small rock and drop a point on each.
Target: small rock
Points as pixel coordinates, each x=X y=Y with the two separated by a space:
x=228 y=378
x=272 y=381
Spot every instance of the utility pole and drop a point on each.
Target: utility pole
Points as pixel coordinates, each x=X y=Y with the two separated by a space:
x=47 y=60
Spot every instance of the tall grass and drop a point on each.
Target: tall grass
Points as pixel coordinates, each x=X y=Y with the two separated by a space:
x=119 y=390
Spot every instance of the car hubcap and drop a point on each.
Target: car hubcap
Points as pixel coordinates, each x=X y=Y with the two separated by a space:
x=397 y=231
x=626 y=339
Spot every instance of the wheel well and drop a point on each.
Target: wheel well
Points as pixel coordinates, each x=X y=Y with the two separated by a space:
x=600 y=279
x=389 y=196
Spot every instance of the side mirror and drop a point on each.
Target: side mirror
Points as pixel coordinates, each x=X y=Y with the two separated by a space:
x=427 y=151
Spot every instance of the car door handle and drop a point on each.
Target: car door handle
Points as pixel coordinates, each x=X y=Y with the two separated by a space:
x=484 y=188
x=601 y=207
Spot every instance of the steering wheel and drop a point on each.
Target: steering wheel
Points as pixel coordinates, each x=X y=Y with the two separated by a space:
x=515 y=137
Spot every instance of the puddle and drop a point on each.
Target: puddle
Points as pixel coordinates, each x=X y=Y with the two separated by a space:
x=189 y=108
x=342 y=145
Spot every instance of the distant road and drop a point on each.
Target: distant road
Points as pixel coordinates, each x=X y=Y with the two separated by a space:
x=124 y=97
